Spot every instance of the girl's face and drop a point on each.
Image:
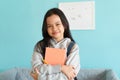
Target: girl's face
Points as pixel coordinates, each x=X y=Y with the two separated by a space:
x=55 y=27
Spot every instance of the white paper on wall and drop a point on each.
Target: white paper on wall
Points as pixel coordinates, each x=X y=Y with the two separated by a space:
x=81 y=15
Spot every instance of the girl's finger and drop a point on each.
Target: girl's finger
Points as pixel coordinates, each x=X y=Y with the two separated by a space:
x=36 y=70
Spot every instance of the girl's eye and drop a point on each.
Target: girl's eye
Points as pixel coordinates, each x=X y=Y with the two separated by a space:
x=57 y=24
x=49 y=26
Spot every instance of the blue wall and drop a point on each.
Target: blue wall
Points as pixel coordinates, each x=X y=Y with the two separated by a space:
x=20 y=29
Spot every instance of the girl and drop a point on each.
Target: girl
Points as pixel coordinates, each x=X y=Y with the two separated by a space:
x=56 y=34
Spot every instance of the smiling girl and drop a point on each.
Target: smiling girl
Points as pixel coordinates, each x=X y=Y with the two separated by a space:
x=56 y=34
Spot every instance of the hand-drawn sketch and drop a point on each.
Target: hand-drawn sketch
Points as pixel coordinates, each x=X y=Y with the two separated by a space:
x=81 y=15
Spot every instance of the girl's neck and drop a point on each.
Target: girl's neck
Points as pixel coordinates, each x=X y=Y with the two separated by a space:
x=58 y=40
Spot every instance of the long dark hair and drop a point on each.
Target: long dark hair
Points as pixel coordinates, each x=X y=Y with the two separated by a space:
x=64 y=20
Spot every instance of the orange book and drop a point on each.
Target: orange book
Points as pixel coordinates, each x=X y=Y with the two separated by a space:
x=55 y=56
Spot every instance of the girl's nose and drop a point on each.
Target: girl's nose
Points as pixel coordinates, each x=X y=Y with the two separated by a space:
x=54 y=27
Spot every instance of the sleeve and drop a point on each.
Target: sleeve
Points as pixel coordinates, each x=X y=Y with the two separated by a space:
x=74 y=58
x=43 y=68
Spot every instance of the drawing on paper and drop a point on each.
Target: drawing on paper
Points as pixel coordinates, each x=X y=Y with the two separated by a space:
x=81 y=15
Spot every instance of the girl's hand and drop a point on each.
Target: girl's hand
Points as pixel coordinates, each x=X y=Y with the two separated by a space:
x=35 y=75
x=69 y=71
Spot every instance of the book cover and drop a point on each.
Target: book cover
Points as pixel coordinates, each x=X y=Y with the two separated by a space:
x=55 y=56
